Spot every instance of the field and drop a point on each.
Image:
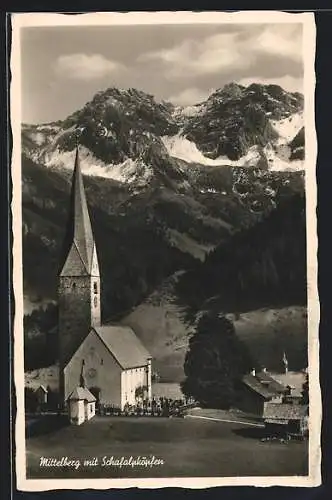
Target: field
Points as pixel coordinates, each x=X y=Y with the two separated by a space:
x=188 y=447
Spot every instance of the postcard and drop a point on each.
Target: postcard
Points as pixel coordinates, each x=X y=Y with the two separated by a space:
x=165 y=250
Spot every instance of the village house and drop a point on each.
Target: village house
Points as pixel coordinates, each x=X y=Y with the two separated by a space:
x=286 y=420
x=42 y=396
x=117 y=366
x=293 y=381
x=257 y=389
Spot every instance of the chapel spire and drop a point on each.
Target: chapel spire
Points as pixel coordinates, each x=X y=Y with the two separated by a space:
x=82 y=379
x=80 y=239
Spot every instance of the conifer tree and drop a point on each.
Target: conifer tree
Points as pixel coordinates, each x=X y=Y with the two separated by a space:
x=215 y=362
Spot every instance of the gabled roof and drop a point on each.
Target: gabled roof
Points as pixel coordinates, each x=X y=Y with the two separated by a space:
x=273 y=384
x=124 y=345
x=283 y=411
x=262 y=383
x=42 y=387
x=79 y=232
x=81 y=394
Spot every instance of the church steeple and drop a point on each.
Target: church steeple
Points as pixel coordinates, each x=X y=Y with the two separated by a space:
x=79 y=279
x=79 y=258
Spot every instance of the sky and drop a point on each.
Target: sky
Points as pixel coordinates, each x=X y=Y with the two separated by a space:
x=62 y=68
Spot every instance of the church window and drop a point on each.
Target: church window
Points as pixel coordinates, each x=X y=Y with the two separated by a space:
x=101 y=361
x=95 y=287
x=95 y=301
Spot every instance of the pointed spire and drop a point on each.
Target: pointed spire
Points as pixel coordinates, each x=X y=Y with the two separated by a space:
x=82 y=380
x=285 y=362
x=80 y=236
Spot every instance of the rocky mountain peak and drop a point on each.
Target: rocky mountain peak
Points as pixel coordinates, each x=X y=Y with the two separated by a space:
x=235 y=125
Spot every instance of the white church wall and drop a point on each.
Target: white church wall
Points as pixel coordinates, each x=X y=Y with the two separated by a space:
x=131 y=379
x=149 y=379
x=100 y=370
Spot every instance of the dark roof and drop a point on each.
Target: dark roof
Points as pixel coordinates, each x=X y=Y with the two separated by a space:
x=282 y=411
x=124 y=345
x=272 y=383
x=81 y=393
x=79 y=236
x=263 y=384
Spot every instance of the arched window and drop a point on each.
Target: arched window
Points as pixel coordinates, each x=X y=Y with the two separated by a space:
x=95 y=301
x=95 y=287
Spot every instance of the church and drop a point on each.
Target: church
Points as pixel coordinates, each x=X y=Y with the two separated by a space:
x=108 y=360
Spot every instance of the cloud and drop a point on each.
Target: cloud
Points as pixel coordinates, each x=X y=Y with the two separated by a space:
x=85 y=67
x=190 y=96
x=192 y=58
x=240 y=50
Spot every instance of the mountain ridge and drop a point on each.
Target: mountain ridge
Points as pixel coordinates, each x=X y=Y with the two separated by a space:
x=233 y=126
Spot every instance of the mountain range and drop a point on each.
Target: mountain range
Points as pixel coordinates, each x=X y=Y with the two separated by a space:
x=169 y=188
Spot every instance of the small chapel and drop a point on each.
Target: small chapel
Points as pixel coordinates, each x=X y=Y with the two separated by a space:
x=108 y=361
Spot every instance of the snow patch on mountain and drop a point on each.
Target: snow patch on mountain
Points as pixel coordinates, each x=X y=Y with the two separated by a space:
x=277 y=155
x=187 y=111
x=278 y=161
x=180 y=147
x=287 y=128
x=128 y=171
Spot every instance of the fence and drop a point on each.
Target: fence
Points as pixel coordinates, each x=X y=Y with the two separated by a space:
x=157 y=407
x=161 y=407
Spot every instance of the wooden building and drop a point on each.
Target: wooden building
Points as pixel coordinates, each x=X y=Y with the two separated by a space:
x=256 y=389
x=42 y=396
x=286 y=419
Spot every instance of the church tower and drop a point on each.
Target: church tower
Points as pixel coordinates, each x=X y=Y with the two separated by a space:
x=79 y=278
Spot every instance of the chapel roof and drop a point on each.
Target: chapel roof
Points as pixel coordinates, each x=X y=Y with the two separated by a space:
x=81 y=393
x=124 y=345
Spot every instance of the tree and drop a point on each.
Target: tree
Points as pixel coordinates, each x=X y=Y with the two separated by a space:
x=30 y=400
x=215 y=362
x=140 y=391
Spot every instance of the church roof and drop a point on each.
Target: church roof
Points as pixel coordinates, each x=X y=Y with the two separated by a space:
x=82 y=393
x=124 y=345
x=79 y=236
